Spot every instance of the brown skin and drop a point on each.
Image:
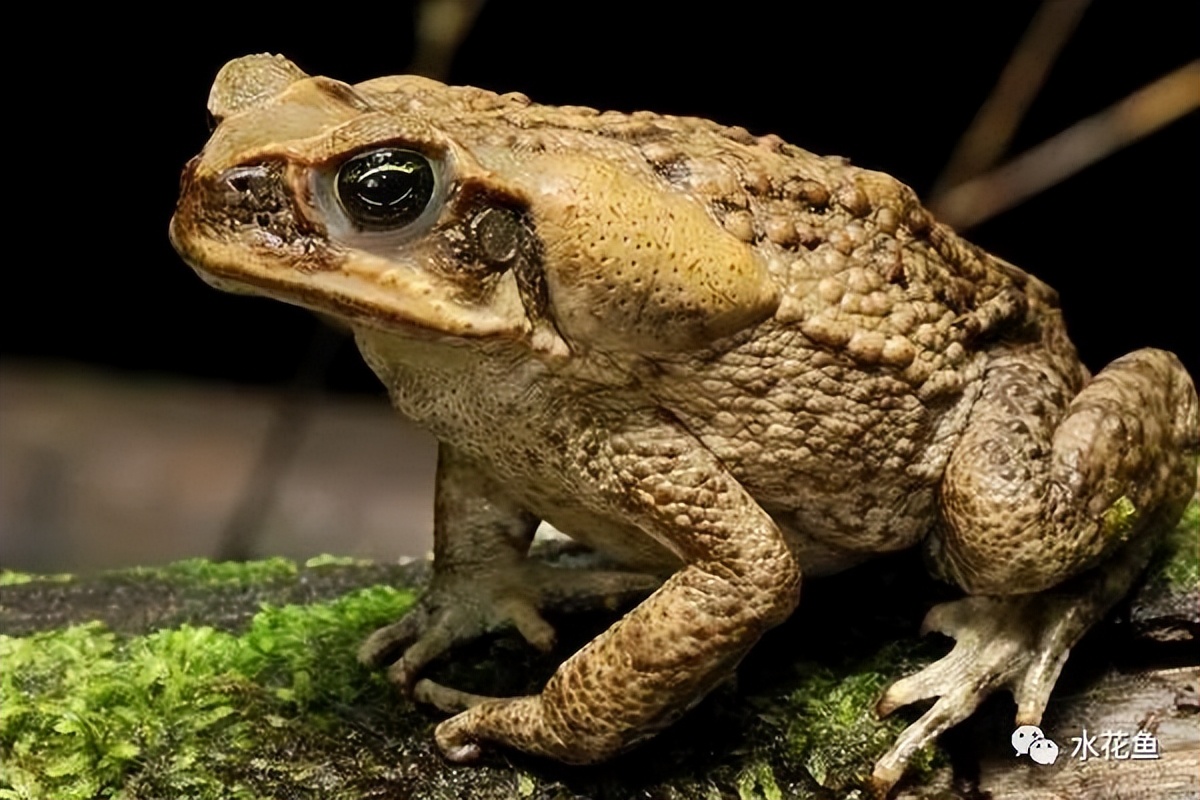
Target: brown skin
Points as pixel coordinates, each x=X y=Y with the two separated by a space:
x=718 y=358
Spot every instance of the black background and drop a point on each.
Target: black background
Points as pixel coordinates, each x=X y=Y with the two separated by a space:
x=100 y=124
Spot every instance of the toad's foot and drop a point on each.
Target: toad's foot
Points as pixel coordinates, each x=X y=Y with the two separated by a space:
x=462 y=605
x=1002 y=642
x=1018 y=643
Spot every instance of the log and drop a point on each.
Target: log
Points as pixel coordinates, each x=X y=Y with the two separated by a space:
x=238 y=680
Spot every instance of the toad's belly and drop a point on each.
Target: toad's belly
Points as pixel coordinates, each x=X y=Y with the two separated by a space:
x=833 y=518
x=841 y=455
x=834 y=496
x=633 y=548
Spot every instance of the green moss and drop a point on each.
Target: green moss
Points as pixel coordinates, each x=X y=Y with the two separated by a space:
x=206 y=572
x=203 y=571
x=833 y=727
x=10 y=577
x=306 y=653
x=1120 y=519
x=327 y=560
x=1180 y=562
x=85 y=713
x=757 y=782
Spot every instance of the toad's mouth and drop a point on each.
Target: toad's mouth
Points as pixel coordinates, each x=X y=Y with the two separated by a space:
x=264 y=248
x=360 y=289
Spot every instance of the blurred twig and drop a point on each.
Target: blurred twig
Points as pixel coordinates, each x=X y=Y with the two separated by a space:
x=441 y=27
x=1143 y=112
x=288 y=425
x=989 y=134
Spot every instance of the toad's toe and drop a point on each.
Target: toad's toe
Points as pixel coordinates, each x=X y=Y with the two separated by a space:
x=1016 y=643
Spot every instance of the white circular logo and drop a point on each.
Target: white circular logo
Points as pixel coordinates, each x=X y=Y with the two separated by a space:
x=1024 y=736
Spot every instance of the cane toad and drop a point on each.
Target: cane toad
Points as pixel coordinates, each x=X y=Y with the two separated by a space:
x=722 y=360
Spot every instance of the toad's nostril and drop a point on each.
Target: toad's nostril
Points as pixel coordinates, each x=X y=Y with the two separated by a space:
x=248 y=180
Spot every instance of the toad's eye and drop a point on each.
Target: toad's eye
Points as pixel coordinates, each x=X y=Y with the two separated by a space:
x=385 y=189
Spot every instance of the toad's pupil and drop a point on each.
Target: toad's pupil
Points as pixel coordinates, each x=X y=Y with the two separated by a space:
x=384 y=189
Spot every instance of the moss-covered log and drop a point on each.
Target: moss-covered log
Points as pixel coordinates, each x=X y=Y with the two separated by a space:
x=205 y=680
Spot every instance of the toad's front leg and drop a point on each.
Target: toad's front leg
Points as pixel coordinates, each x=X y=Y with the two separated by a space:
x=739 y=579
x=482 y=580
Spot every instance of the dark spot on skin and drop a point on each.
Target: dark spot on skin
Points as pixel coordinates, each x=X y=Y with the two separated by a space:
x=724 y=206
x=811 y=193
x=920 y=222
x=497 y=235
x=675 y=171
x=958 y=294
x=893 y=272
x=808 y=237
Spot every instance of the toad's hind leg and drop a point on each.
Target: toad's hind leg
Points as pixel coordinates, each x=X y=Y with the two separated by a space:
x=1039 y=492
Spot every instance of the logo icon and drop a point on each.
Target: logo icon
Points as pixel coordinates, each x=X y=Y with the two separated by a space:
x=1044 y=751
x=1024 y=736
x=1029 y=740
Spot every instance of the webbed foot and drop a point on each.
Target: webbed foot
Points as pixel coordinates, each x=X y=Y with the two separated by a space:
x=1015 y=643
x=462 y=605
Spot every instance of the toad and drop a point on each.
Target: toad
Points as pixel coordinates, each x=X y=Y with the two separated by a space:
x=721 y=360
